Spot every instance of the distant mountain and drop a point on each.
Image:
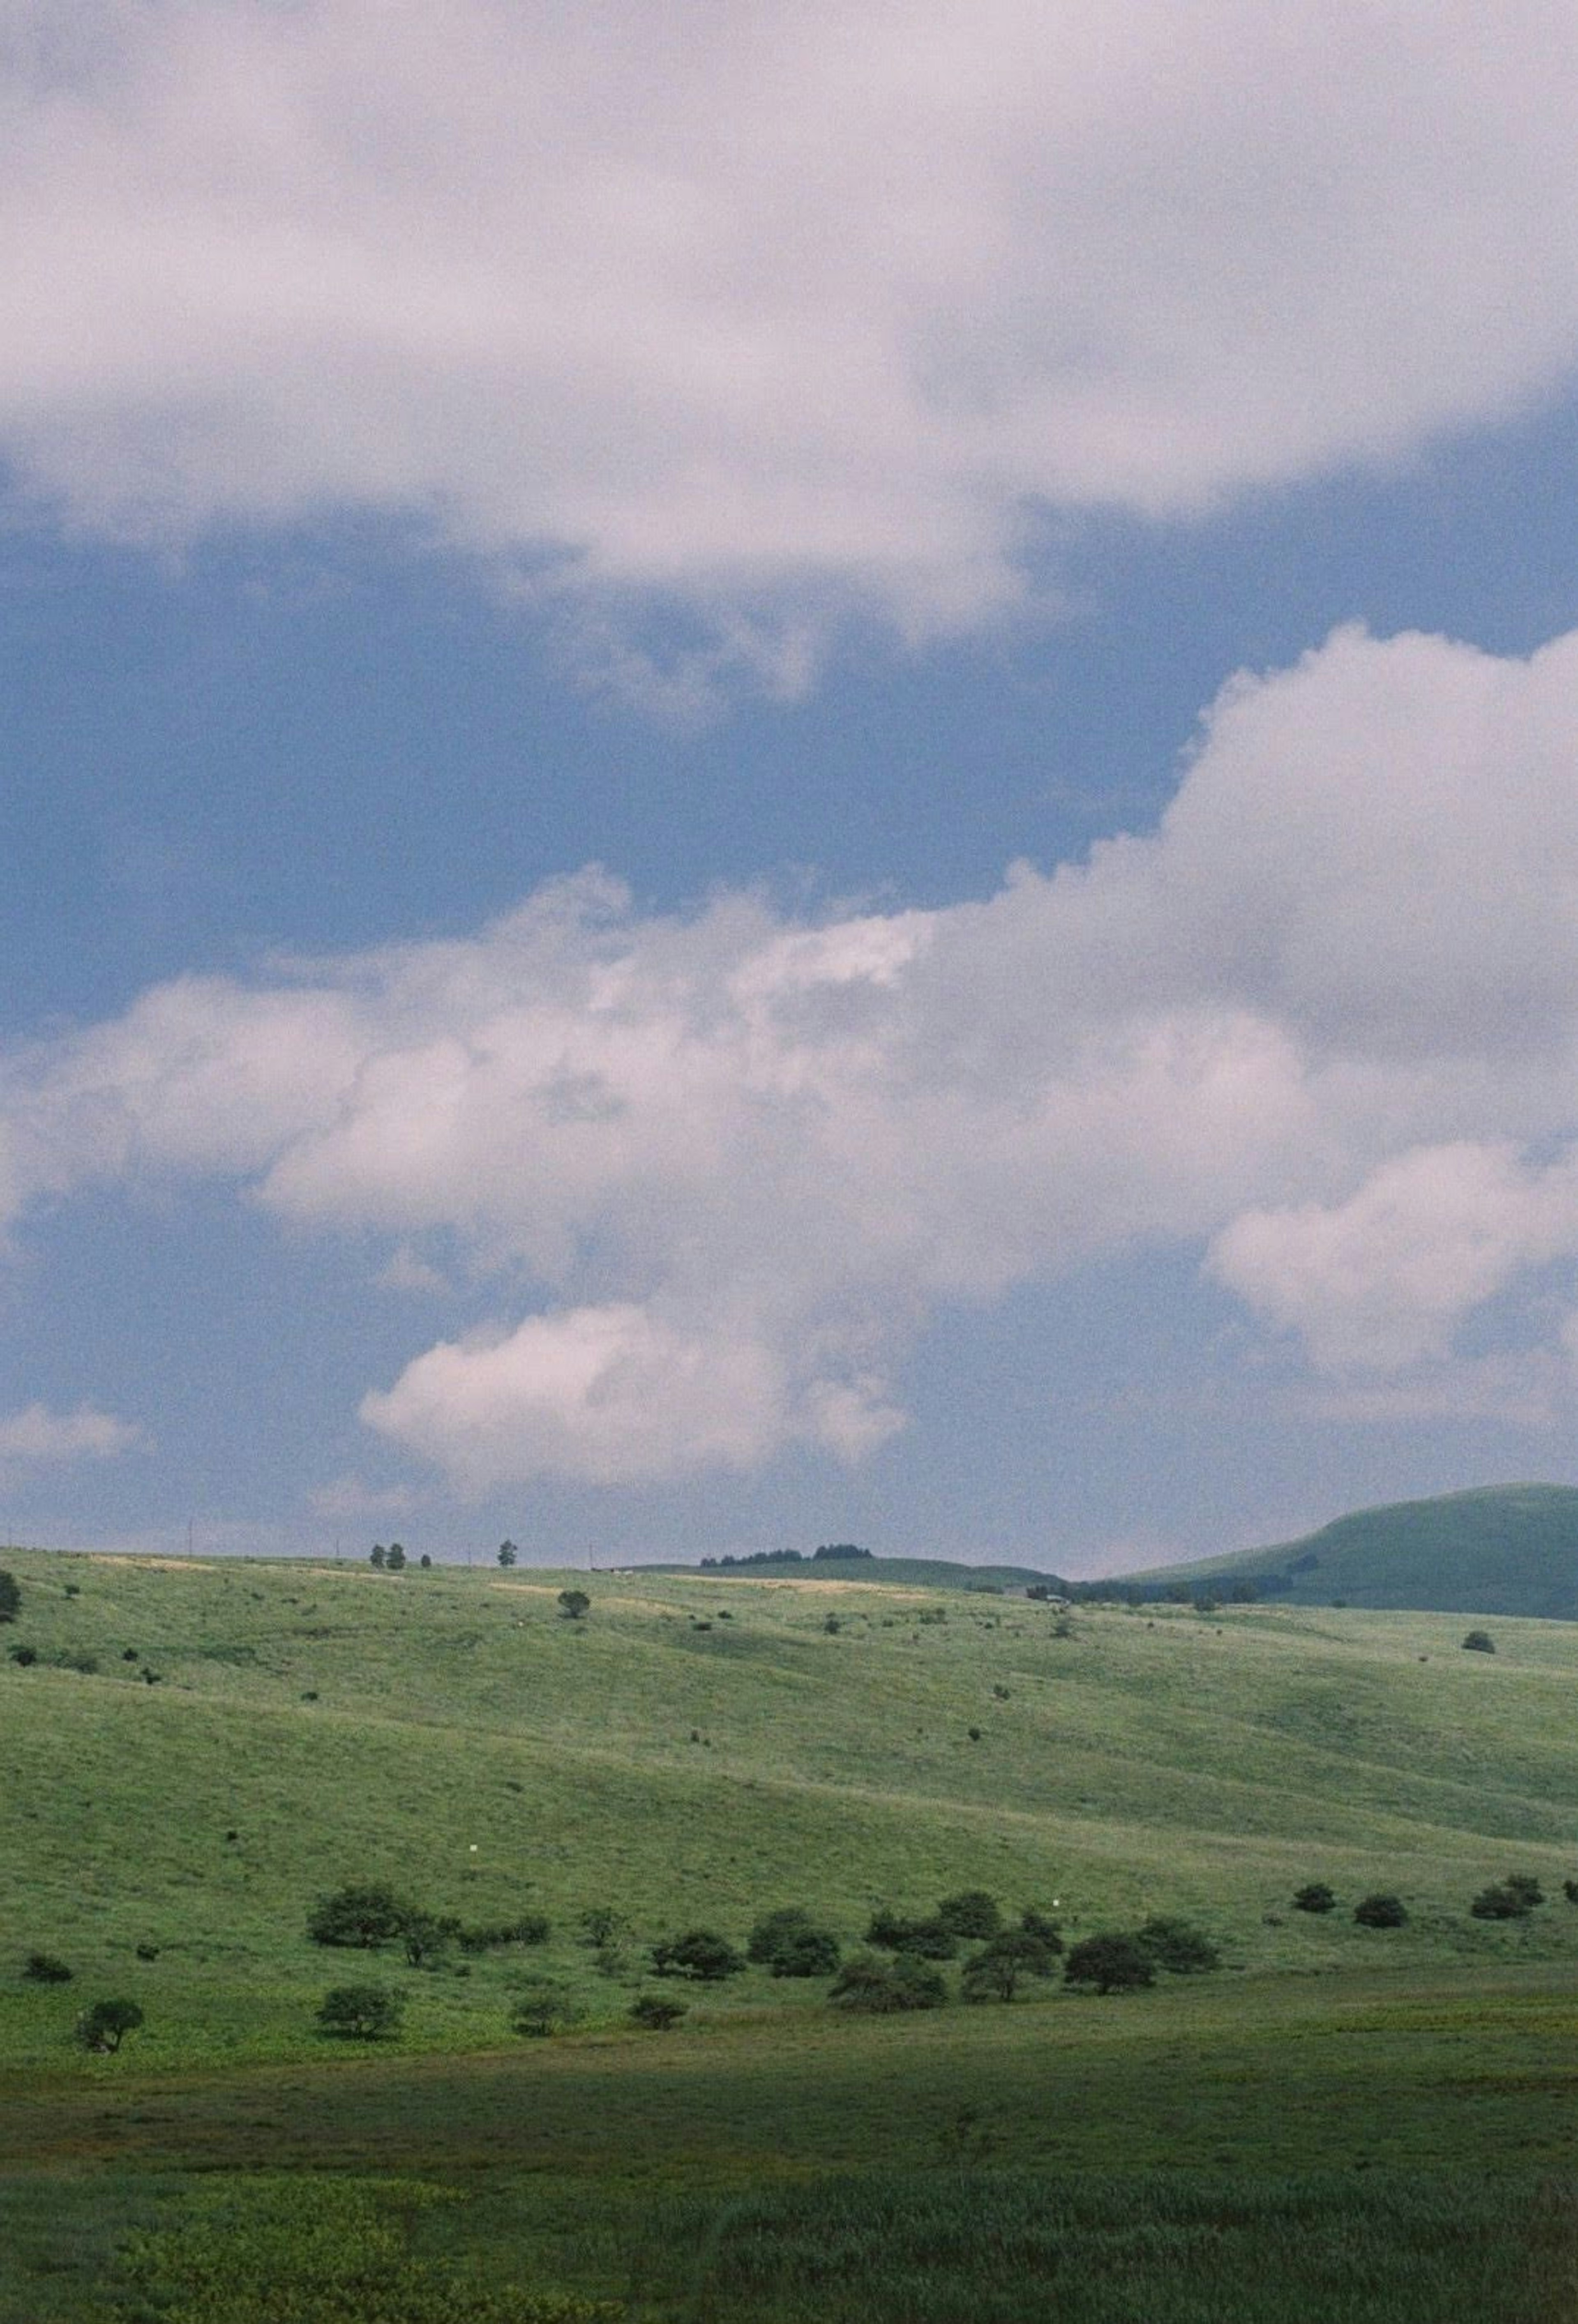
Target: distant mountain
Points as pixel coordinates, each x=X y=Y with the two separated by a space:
x=896 y=1573
x=1500 y=1549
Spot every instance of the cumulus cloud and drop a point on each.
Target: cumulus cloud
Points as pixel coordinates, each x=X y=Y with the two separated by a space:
x=704 y=1177
x=37 y=1433
x=779 y=311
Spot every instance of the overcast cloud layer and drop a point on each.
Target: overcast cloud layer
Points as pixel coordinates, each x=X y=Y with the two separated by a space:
x=772 y=311
x=707 y=1177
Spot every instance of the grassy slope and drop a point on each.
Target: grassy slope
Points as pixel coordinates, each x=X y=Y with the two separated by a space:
x=891 y=1572
x=1500 y=1549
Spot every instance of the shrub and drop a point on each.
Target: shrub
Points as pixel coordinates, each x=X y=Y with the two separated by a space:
x=366 y=1913
x=1038 y=1926
x=10 y=1596
x=1500 y=1904
x=1177 y=1946
x=788 y=1942
x=897 y=1933
x=1111 y=1963
x=1570 y=1891
x=541 y=2010
x=881 y=1988
x=508 y=1553
x=425 y=1935
x=360 y=2012
x=972 y=1914
x=105 y=2025
x=574 y=1604
x=1479 y=1642
x=394 y=1558
x=996 y=1971
x=1526 y=1885
x=700 y=1955
x=658 y=2012
x=147 y=1953
x=1380 y=1910
x=1314 y=1897
x=25 y=1656
x=46 y=1968
x=376 y=1555
x=425 y=1561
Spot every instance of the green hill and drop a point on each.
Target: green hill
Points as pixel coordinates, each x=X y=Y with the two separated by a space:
x=897 y=1573
x=1500 y=1549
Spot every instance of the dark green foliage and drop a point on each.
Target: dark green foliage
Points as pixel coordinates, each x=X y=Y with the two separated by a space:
x=574 y=1604
x=1111 y=1961
x=394 y=1558
x=147 y=1953
x=1314 y=1896
x=541 y=2010
x=700 y=1955
x=377 y=1554
x=996 y=1971
x=366 y=1913
x=899 y=1933
x=525 y=1929
x=789 y=1944
x=508 y=1553
x=360 y=2012
x=25 y=1656
x=1500 y=1904
x=972 y=1914
x=10 y=1596
x=1479 y=1642
x=46 y=1968
x=658 y=2012
x=1044 y=1930
x=1380 y=1910
x=425 y=1936
x=105 y=2024
x=1570 y=1891
x=425 y=1561
x=878 y=1988
x=1177 y=1945
x=1527 y=1886
x=601 y=1925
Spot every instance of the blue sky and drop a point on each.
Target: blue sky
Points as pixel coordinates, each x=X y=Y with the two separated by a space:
x=1042 y=577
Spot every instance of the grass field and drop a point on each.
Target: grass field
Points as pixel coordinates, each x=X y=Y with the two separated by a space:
x=700 y=1748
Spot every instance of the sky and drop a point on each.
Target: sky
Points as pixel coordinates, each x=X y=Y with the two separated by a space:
x=775 y=775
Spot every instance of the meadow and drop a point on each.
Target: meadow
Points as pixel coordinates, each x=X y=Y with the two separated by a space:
x=198 y=1753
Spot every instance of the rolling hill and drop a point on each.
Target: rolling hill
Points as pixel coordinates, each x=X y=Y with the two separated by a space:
x=1499 y=1549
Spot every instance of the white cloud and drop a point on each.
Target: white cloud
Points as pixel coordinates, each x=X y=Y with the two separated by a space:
x=705 y=1177
x=37 y=1433
x=783 y=310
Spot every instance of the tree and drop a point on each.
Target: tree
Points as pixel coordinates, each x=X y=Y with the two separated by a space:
x=700 y=1955
x=360 y=2012
x=972 y=1914
x=508 y=1553
x=1111 y=1963
x=1314 y=1896
x=996 y=1972
x=658 y=2012
x=394 y=1558
x=425 y=1561
x=573 y=1604
x=367 y=1913
x=1527 y=1886
x=377 y=1554
x=1177 y=1945
x=541 y=2009
x=105 y=2025
x=425 y=1936
x=789 y=1943
x=1381 y=1909
x=10 y=1596
x=878 y=1987
x=1479 y=1642
x=897 y=1933
x=1500 y=1904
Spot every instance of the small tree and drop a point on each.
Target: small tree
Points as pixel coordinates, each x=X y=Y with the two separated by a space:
x=47 y=1968
x=394 y=1558
x=425 y=1937
x=10 y=1596
x=900 y=1934
x=105 y=2025
x=789 y=1943
x=881 y=1988
x=508 y=1553
x=1479 y=1642
x=700 y=1955
x=1527 y=1886
x=972 y=1914
x=1177 y=1945
x=425 y=1561
x=377 y=1554
x=658 y=2012
x=996 y=1971
x=573 y=1604
x=1381 y=1909
x=1314 y=1896
x=360 y=2012
x=1500 y=1904
x=1111 y=1963
x=366 y=1914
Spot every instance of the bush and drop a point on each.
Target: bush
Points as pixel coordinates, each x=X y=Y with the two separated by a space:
x=1479 y=1642
x=573 y=1604
x=25 y=1656
x=46 y=1968
x=1500 y=1904
x=1570 y=1891
x=996 y=1972
x=1314 y=1897
x=1526 y=1885
x=789 y=1944
x=365 y=1913
x=541 y=2010
x=896 y=1933
x=1047 y=1931
x=1380 y=1910
x=881 y=1989
x=700 y=1955
x=10 y=1596
x=972 y=1914
x=1111 y=1963
x=658 y=2012
x=1177 y=1946
x=527 y=1929
x=105 y=2026
x=360 y=2012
